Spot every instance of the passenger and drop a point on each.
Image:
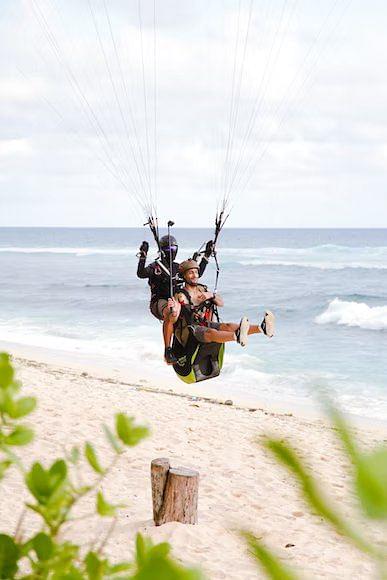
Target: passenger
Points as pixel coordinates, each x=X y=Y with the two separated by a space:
x=196 y=305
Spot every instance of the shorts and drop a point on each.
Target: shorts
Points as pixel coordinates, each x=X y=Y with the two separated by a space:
x=199 y=331
x=157 y=308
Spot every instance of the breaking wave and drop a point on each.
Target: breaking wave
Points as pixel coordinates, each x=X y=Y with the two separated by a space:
x=82 y=251
x=324 y=257
x=358 y=314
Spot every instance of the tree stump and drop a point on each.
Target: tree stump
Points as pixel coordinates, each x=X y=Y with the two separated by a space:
x=175 y=493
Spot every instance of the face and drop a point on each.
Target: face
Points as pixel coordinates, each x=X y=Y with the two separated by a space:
x=169 y=252
x=191 y=276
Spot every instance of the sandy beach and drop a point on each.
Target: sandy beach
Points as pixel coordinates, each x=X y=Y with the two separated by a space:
x=241 y=485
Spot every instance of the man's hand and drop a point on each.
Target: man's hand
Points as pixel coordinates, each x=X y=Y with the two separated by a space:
x=172 y=304
x=205 y=296
x=144 y=249
x=209 y=249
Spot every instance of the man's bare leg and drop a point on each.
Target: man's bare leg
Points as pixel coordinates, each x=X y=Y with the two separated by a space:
x=232 y=327
x=170 y=315
x=220 y=336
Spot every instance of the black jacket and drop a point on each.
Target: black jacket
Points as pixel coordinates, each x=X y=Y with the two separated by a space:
x=158 y=279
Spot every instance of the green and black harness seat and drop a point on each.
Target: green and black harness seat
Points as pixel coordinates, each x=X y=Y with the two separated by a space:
x=197 y=361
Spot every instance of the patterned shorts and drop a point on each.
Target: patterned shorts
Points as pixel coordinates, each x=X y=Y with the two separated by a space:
x=199 y=331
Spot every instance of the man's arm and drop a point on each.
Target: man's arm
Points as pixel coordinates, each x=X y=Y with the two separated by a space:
x=218 y=300
x=215 y=298
x=204 y=261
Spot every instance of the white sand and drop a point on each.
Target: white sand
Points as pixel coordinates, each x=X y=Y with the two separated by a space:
x=241 y=485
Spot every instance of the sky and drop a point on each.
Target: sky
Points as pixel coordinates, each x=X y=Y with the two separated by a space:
x=109 y=107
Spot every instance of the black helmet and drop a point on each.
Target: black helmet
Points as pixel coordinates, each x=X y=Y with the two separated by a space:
x=168 y=246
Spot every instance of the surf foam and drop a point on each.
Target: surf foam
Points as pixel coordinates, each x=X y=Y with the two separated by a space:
x=358 y=314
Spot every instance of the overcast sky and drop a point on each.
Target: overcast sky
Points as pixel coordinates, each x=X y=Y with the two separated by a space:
x=280 y=103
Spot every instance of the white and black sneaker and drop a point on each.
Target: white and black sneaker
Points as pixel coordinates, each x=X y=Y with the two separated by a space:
x=268 y=324
x=242 y=333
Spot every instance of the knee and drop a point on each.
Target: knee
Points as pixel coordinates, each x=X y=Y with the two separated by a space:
x=209 y=335
x=171 y=317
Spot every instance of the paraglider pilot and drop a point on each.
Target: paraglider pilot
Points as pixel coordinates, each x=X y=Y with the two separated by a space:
x=162 y=305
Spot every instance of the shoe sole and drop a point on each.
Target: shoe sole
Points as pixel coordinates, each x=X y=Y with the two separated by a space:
x=244 y=331
x=270 y=323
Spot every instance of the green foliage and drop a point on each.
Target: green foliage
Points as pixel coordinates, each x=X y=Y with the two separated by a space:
x=155 y=562
x=370 y=470
x=12 y=408
x=369 y=483
x=9 y=555
x=46 y=485
x=104 y=508
x=270 y=563
x=114 y=442
x=91 y=457
x=54 y=496
x=21 y=435
x=129 y=433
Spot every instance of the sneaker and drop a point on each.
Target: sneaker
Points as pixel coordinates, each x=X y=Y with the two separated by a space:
x=169 y=356
x=241 y=334
x=268 y=323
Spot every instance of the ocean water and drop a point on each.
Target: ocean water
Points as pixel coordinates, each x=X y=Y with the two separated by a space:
x=75 y=291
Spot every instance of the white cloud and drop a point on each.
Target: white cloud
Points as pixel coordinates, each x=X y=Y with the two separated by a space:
x=14 y=147
x=330 y=141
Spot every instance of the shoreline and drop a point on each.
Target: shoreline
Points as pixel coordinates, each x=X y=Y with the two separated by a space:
x=98 y=368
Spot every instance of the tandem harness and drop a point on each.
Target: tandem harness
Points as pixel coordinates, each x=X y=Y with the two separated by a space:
x=197 y=361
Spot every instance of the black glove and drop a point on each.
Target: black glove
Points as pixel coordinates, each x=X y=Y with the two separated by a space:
x=209 y=249
x=144 y=249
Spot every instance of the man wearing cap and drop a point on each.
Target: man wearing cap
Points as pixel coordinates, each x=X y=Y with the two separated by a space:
x=196 y=313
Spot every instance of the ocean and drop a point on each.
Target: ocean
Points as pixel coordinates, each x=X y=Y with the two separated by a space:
x=75 y=292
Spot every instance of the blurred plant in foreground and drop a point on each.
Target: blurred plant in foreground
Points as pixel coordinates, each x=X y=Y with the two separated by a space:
x=55 y=492
x=370 y=487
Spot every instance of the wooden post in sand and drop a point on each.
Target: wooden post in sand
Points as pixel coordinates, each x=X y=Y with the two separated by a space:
x=175 y=493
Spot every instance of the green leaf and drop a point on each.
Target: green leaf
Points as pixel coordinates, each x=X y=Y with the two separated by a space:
x=371 y=483
x=343 y=431
x=20 y=436
x=6 y=370
x=38 y=482
x=269 y=562
x=9 y=555
x=129 y=433
x=104 y=508
x=74 y=455
x=43 y=546
x=73 y=574
x=371 y=469
x=91 y=457
x=154 y=562
x=94 y=566
x=313 y=495
x=4 y=465
x=113 y=440
x=43 y=484
x=21 y=408
x=120 y=567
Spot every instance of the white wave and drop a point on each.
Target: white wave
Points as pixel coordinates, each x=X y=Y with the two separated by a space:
x=323 y=257
x=318 y=265
x=358 y=314
x=83 y=251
